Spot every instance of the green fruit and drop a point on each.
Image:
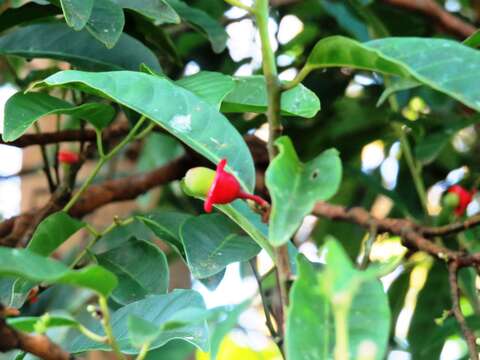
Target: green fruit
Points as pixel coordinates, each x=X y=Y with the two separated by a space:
x=197 y=181
x=450 y=200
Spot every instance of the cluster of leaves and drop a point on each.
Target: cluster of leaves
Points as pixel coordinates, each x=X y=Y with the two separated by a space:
x=126 y=57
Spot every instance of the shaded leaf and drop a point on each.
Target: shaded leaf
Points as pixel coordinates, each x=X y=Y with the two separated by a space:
x=77 y=12
x=141 y=268
x=158 y=310
x=106 y=22
x=295 y=187
x=23 y=110
x=199 y=19
x=58 y=41
x=159 y=11
x=212 y=242
x=141 y=332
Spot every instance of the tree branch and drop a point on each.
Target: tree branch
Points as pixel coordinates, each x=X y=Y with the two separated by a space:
x=410 y=232
x=436 y=12
x=38 y=345
x=13 y=230
x=457 y=311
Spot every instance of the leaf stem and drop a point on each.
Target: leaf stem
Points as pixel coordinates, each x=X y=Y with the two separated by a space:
x=102 y=161
x=274 y=91
x=143 y=351
x=340 y=313
x=91 y=335
x=102 y=301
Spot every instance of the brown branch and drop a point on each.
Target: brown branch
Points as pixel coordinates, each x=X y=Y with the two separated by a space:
x=457 y=311
x=47 y=138
x=450 y=228
x=407 y=230
x=38 y=345
x=13 y=230
x=436 y=12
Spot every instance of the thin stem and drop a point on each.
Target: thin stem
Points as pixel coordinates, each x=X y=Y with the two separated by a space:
x=107 y=327
x=266 y=310
x=91 y=335
x=274 y=91
x=46 y=163
x=102 y=161
x=340 y=313
x=302 y=74
x=143 y=351
x=468 y=334
x=100 y=150
x=367 y=247
x=240 y=5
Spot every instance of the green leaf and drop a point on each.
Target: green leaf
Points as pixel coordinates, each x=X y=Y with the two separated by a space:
x=310 y=324
x=30 y=266
x=29 y=323
x=310 y=328
x=250 y=95
x=25 y=14
x=58 y=41
x=200 y=20
x=428 y=61
x=183 y=114
x=156 y=10
x=158 y=150
x=77 y=12
x=173 y=350
x=141 y=268
x=473 y=40
x=141 y=332
x=23 y=110
x=295 y=187
x=166 y=225
x=210 y=86
x=157 y=309
x=212 y=242
x=52 y=232
x=106 y=22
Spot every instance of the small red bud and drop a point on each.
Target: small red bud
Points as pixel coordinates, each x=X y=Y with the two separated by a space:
x=225 y=189
x=464 y=198
x=68 y=157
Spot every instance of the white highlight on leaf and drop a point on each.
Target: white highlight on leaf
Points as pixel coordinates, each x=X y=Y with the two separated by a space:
x=181 y=123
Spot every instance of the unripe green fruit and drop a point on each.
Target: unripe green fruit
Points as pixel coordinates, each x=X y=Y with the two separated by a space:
x=197 y=181
x=451 y=200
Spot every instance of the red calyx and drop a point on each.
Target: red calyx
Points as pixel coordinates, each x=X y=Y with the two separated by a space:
x=225 y=189
x=68 y=157
x=464 y=198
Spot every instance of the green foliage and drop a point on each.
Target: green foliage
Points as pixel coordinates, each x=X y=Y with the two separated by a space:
x=137 y=279
x=186 y=119
x=157 y=310
x=28 y=265
x=296 y=187
x=212 y=242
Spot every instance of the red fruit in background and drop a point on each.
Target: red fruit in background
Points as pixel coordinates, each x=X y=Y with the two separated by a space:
x=225 y=189
x=464 y=198
x=68 y=157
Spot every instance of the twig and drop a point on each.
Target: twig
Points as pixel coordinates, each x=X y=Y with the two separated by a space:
x=266 y=310
x=435 y=11
x=46 y=163
x=457 y=311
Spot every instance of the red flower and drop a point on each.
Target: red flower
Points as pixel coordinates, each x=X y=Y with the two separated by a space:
x=225 y=189
x=68 y=157
x=464 y=198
